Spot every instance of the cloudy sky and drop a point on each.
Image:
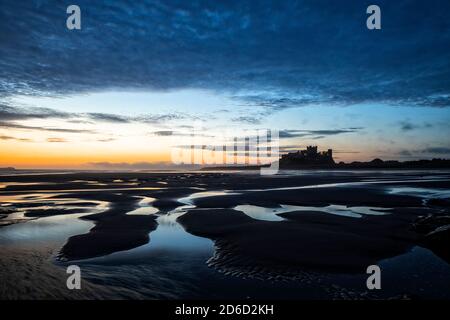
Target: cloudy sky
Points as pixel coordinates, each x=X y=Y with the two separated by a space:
x=140 y=74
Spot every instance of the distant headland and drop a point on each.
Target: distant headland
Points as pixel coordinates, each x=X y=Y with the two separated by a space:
x=311 y=158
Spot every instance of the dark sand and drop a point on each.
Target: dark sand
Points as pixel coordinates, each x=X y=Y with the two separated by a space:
x=308 y=240
x=27 y=273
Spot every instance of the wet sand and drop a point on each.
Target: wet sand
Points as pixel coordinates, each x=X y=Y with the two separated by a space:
x=307 y=241
x=27 y=273
x=313 y=237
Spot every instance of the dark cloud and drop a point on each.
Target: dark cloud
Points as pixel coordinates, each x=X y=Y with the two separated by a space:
x=168 y=133
x=272 y=104
x=315 y=134
x=405 y=153
x=273 y=54
x=332 y=132
x=409 y=126
x=107 y=117
x=147 y=118
x=436 y=150
x=14 y=138
x=14 y=113
x=9 y=113
x=174 y=133
x=427 y=150
x=106 y=140
x=247 y=119
x=160 y=118
x=163 y=133
x=13 y=125
x=76 y=121
x=291 y=134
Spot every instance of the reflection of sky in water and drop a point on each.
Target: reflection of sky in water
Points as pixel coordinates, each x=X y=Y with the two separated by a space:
x=169 y=239
x=421 y=192
x=48 y=229
x=271 y=214
x=101 y=189
x=261 y=213
x=25 y=198
x=171 y=236
x=145 y=207
x=190 y=199
x=143 y=211
x=344 y=184
x=6 y=184
x=356 y=212
x=90 y=182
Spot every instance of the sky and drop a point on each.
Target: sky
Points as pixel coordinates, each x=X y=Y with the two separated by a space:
x=140 y=76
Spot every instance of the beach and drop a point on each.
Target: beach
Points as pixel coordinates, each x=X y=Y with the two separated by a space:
x=169 y=235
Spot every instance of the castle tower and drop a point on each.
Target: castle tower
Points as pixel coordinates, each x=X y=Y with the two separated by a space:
x=311 y=151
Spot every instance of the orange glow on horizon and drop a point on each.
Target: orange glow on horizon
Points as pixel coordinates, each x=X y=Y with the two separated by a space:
x=46 y=158
x=49 y=159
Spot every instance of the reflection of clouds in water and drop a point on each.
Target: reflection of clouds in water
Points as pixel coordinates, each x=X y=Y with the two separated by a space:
x=344 y=184
x=28 y=203
x=170 y=219
x=167 y=242
x=272 y=214
x=90 y=182
x=145 y=207
x=48 y=229
x=355 y=212
x=262 y=213
x=204 y=194
x=421 y=192
x=4 y=185
x=146 y=201
x=51 y=202
x=27 y=198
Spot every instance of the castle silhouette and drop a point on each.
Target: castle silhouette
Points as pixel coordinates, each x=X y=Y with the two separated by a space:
x=310 y=156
